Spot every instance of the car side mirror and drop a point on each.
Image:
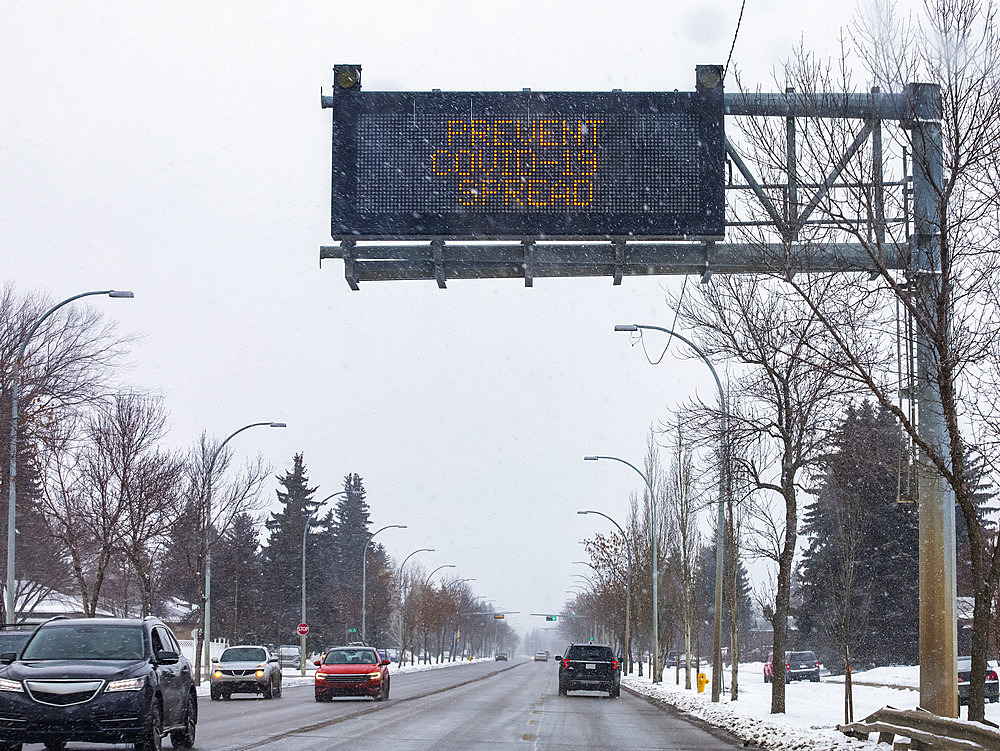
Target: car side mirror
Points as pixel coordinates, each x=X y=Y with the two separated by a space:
x=167 y=657
x=317 y=662
x=385 y=662
x=273 y=659
x=8 y=657
x=558 y=657
x=215 y=659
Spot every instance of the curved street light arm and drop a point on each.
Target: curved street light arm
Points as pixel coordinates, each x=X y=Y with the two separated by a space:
x=9 y=604
x=305 y=530
x=208 y=539
x=364 y=574
x=721 y=516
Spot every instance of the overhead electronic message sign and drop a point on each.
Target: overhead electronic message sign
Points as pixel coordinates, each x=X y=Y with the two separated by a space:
x=495 y=165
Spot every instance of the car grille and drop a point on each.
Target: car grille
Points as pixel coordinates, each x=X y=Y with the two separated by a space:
x=63 y=693
x=332 y=678
x=238 y=673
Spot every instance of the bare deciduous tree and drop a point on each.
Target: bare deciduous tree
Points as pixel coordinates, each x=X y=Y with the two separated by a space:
x=947 y=298
x=782 y=424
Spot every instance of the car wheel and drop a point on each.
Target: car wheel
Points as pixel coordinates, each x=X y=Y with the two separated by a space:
x=227 y=695
x=562 y=689
x=268 y=691
x=815 y=678
x=153 y=739
x=388 y=685
x=766 y=679
x=383 y=692
x=615 y=692
x=184 y=738
x=277 y=690
x=215 y=695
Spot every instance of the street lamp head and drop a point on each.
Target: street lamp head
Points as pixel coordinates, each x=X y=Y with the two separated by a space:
x=591 y=458
x=277 y=425
x=626 y=327
x=584 y=512
x=123 y=293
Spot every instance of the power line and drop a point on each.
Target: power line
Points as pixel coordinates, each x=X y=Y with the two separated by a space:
x=739 y=21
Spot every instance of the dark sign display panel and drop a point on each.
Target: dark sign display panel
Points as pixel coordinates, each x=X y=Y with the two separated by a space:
x=501 y=165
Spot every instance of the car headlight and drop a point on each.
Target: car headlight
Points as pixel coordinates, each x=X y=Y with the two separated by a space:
x=259 y=673
x=6 y=685
x=128 y=684
x=375 y=675
x=320 y=676
x=217 y=674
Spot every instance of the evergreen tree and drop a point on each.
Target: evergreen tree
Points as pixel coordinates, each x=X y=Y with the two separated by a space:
x=236 y=583
x=350 y=533
x=282 y=556
x=859 y=533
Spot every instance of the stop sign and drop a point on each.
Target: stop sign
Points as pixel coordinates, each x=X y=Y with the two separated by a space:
x=303 y=629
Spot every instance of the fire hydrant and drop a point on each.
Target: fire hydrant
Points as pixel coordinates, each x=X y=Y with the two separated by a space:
x=702 y=681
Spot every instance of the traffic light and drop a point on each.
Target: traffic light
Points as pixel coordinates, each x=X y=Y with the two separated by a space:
x=550 y=618
x=498 y=616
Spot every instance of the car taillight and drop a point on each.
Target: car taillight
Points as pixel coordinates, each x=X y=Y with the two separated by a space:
x=614 y=664
x=817 y=664
x=991 y=676
x=788 y=666
x=565 y=663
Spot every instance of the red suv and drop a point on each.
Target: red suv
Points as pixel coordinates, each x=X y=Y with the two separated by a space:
x=352 y=671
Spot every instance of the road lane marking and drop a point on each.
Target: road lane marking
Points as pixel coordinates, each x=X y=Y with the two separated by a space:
x=360 y=713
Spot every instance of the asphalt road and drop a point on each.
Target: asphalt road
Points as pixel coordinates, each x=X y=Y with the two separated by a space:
x=473 y=707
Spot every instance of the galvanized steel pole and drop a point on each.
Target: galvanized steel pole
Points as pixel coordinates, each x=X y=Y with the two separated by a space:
x=936 y=500
x=656 y=565
x=364 y=574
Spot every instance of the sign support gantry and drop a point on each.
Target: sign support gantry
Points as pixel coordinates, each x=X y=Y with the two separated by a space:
x=619 y=253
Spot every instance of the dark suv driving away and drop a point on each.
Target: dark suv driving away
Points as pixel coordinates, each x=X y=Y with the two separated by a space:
x=589 y=667
x=801 y=666
x=97 y=680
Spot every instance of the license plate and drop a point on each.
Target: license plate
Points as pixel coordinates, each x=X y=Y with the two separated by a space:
x=591 y=666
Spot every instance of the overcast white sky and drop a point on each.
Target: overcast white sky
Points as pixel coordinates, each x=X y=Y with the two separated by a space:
x=179 y=150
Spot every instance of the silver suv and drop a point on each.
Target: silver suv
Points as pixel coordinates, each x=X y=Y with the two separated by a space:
x=246 y=669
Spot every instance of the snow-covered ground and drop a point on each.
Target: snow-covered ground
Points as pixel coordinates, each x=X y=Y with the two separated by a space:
x=813 y=710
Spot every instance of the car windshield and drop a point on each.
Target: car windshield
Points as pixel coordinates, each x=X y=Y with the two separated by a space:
x=351 y=657
x=802 y=657
x=85 y=641
x=589 y=653
x=243 y=654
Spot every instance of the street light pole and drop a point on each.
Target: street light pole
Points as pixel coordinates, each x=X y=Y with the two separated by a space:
x=628 y=585
x=207 y=636
x=720 y=524
x=9 y=604
x=305 y=529
x=656 y=556
x=402 y=613
x=364 y=574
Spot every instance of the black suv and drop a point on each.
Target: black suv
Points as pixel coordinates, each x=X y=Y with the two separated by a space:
x=99 y=680
x=589 y=667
